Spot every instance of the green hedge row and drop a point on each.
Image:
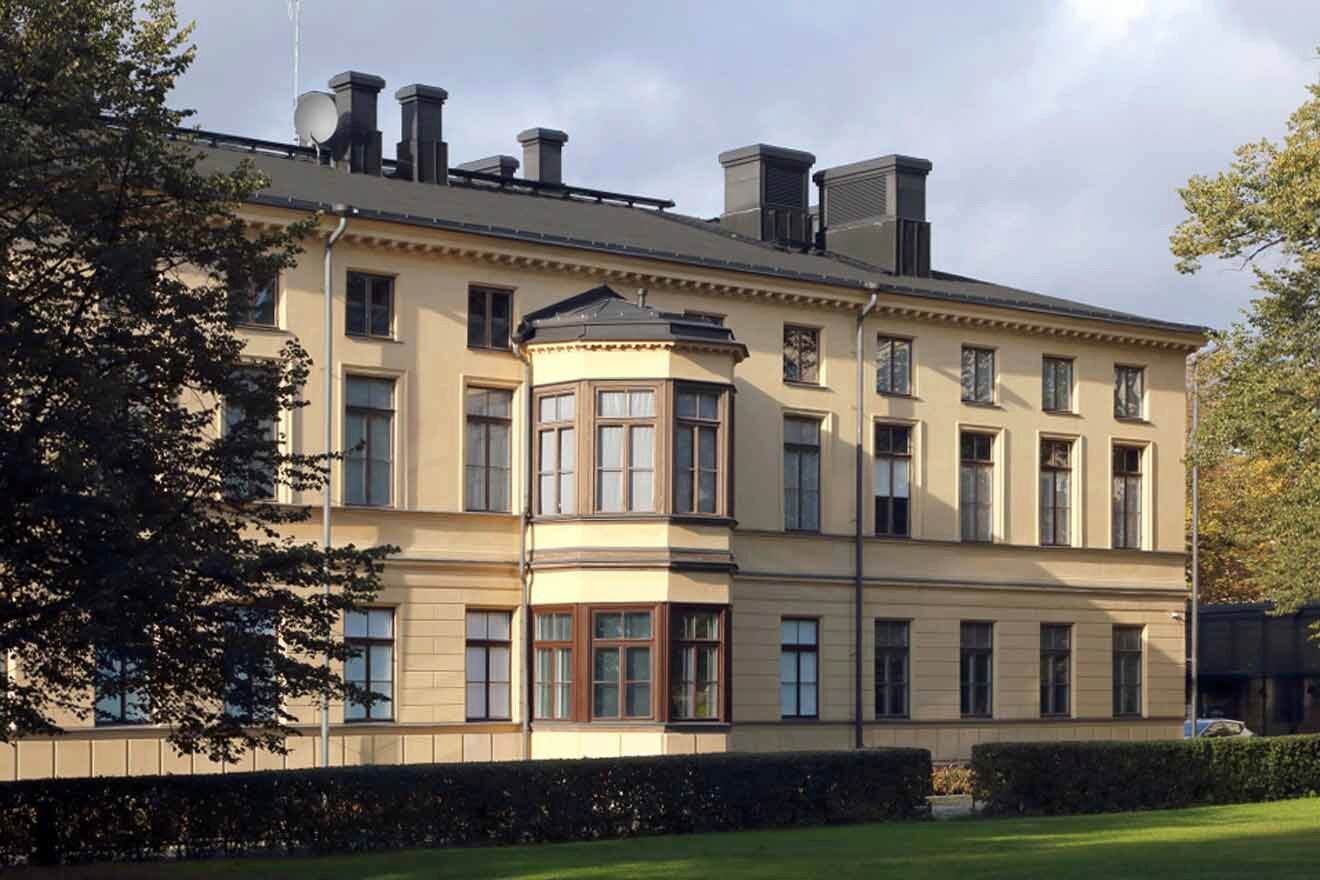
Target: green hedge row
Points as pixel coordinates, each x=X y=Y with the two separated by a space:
x=438 y=805
x=1058 y=778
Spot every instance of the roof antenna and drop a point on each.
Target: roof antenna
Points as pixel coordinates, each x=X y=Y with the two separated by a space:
x=641 y=297
x=295 y=15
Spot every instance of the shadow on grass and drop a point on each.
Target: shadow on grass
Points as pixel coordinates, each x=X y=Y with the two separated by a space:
x=1278 y=841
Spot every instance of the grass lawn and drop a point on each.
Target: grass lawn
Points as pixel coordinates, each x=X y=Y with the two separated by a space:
x=1276 y=841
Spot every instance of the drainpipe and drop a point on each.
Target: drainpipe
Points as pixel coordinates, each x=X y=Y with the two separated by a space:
x=857 y=548
x=1196 y=553
x=328 y=328
x=524 y=523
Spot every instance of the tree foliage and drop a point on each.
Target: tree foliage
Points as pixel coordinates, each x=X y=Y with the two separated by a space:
x=1261 y=391
x=124 y=270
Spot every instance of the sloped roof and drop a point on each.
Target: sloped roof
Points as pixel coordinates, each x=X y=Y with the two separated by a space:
x=603 y=314
x=619 y=229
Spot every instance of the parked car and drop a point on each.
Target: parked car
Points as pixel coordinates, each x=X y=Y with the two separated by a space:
x=1216 y=727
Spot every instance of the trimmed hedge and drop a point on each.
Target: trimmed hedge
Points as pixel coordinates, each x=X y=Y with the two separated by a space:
x=439 y=805
x=1094 y=777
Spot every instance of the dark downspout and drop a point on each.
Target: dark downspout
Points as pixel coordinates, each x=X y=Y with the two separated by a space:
x=524 y=523
x=857 y=548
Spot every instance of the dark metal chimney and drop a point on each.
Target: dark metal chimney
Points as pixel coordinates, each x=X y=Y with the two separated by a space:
x=543 y=158
x=765 y=193
x=875 y=211
x=355 y=97
x=503 y=166
x=422 y=153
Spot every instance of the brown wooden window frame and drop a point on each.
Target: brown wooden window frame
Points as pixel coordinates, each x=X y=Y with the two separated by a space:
x=887 y=369
x=621 y=644
x=368 y=305
x=982 y=365
x=978 y=465
x=1052 y=369
x=893 y=669
x=1123 y=687
x=887 y=460
x=1131 y=506
x=365 y=643
x=1129 y=396
x=554 y=645
x=369 y=460
x=678 y=643
x=487 y=334
x=557 y=426
x=971 y=686
x=1056 y=670
x=485 y=645
x=248 y=316
x=487 y=467
x=794 y=372
x=626 y=468
x=692 y=427
x=797 y=649
x=1051 y=514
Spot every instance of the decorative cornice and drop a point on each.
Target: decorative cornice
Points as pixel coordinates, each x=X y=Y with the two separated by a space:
x=633 y=345
x=844 y=300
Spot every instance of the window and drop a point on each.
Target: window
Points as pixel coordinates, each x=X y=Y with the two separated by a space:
x=488 y=318
x=487 y=665
x=695 y=673
x=798 y=667
x=1127 y=498
x=978 y=375
x=554 y=665
x=1127 y=391
x=801 y=354
x=893 y=365
x=1055 y=492
x=891 y=669
x=368 y=441
x=1055 y=668
x=697 y=452
x=556 y=439
x=625 y=451
x=976 y=486
x=253 y=476
x=1056 y=384
x=1127 y=670
x=370 y=305
x=261 y=302
x=893 y=465
x=486 y=466
x=977 y=641
x=621 y=664
x=802 y=474
x=370 y=635
x=251 y=690
x=117 y=700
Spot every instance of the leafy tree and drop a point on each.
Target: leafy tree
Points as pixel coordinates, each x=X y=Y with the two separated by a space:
x=123 y=273
x=1261 y=404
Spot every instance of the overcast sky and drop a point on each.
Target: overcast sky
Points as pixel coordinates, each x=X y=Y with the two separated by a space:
x=1059 y=130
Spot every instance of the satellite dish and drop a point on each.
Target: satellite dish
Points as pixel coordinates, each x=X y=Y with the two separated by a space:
x=316 y=118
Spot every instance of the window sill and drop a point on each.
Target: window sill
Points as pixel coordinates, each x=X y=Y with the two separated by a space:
x=810 y=386
x=268 y=329
x=892 y=719
x=982 y=404
x=486 y=720
x=1066 y=413
x=977 y=717
x=490 y=349
x=895 y=395
x=359 y=721
x=903 y=538
x=800 y=719
x=368 y=337
x=1132 y=420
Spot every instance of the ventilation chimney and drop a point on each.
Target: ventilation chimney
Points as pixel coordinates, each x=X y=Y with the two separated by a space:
x=765 y=193
x=355 y=97
x=502 y=166
x=875 y=211
x=543 y=154
x=423 y=156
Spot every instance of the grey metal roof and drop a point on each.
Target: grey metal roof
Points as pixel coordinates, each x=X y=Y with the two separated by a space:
x=618 y=229
x=603 y=314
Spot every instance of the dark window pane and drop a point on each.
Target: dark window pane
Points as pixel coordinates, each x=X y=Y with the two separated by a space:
x=382 y=296
x=355 y=319
x=476 y=318
x=499 y=319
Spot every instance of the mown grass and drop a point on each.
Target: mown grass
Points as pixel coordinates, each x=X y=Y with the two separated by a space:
x=1277 y=841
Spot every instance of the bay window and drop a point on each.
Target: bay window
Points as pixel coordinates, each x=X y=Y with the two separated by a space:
x=697 y=452
x=625 y=450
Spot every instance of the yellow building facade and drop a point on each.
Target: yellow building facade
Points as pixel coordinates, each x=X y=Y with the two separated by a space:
x=617 y=450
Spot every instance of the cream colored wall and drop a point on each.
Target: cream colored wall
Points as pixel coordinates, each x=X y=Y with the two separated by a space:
x=451 y=559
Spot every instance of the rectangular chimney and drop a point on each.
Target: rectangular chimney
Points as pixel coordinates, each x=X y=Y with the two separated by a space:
x=501 y=166
x=543 y=158
x=766 y=193
x=355 y=97
x=875 y=211
x=422 y=154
